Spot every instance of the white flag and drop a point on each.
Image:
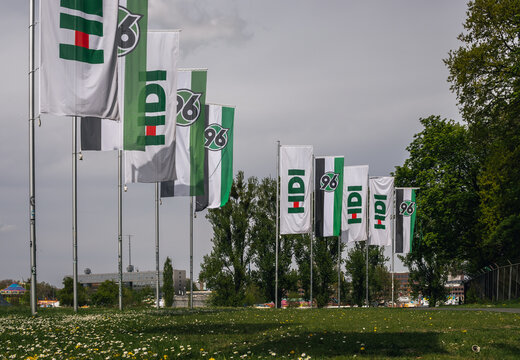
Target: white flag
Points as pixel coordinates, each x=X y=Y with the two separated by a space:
x=381 y=205
x=78 y=58
x=296 y=189
x=157 y=162
x=355 y=188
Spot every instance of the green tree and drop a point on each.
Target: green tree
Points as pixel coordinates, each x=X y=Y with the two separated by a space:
x=428 y=273
x=302 y=258
x=442 y=164
x=168 y=283
x=106 y=294
x=485 y=75
x=66 y=295
x=378 y=275
x=325 y=257
x=225 y=268
x=263 y=244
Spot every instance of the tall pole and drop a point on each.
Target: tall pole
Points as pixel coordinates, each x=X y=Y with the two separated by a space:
x=120 y=225
x=191 y=253
x=157 y=283
x=339 y=271
x=393 y=248
x=32 y=195
x=277 y=222
x=366 y=247
x=75 y=212
x=129 y=250
x=312 y=224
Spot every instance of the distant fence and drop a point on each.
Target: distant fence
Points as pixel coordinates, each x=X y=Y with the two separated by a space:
x=495 y=283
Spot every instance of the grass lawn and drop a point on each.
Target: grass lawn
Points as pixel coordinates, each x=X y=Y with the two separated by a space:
x=259 y=334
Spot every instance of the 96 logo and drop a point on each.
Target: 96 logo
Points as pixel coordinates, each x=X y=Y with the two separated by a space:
x=407 y=208
x=329 y=181
x=216 y=137
x=127 y=31
x=188 y=107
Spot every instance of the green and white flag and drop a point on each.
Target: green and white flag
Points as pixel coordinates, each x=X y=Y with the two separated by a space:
x=104 y=135
x=78 y=58
x=405 y=212
x=218 y=164
x=189 y=150
x=157 y=162
x=328 y=194
x=295 y=189
x=355 y=191
x=381 y=204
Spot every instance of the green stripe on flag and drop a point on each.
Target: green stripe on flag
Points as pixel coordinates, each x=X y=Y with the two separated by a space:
x=77 y=23
x=134 y=83
x=197 y=153
x=226 y=180
x=155 y=140
x=338 y=196
x=412 y=220
x=78 y=53
x=93 y=7
x=155 y=120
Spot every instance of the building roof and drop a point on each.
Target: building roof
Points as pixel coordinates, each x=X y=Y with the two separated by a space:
x=13 y=289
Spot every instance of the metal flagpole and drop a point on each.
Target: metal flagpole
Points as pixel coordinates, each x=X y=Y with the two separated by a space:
x=366 y=246
x=312 y=224
x=157 y=286
x=191 y=253
x=75 y=212
x=120 y=225
x=277 y=223
x=339 y=271
x=32 y=196
x=393 y=249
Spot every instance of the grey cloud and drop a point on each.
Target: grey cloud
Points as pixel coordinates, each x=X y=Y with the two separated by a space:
x=5 y=228
x=201 y=22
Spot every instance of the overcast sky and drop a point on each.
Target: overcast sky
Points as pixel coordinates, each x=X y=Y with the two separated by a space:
x=349 y=77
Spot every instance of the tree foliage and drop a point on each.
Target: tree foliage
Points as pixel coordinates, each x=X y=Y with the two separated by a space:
x=378 y=276
x=167 y=289
x=485 y=75
x=106 y=294
x=225 y=268
x=66 y=295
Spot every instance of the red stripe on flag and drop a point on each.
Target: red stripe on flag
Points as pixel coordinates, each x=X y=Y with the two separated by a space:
x=150 y=130
x=81 y=39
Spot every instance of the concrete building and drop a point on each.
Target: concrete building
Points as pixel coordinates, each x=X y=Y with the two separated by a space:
x=135 y=280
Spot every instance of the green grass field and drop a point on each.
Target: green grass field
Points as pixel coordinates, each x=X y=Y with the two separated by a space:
x=258 y=334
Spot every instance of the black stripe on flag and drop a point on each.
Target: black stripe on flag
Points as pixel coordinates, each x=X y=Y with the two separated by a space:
x=399 y=244
x=167 y=188
x=318 y=198
x=91 y=133
x=202 y=201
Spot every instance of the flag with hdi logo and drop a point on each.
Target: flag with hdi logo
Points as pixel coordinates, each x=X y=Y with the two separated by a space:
x=129 y=132
x=405 y=210
x=78 y=58
x=218 y=164
x=295 y=189
x=355 y=189
x=189 y=150
x=328 y=195
x=157 y=162
x=381 y=203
